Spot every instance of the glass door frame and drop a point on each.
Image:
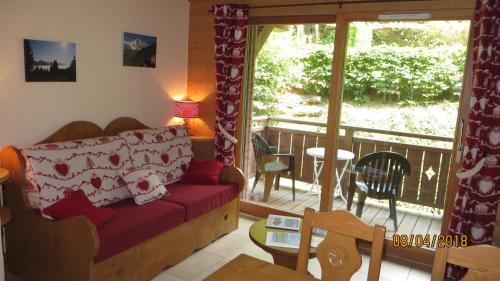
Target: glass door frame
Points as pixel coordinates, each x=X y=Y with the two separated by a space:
x=243 y=134
x=332 y=144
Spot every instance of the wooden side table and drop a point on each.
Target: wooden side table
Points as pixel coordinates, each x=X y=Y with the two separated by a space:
x=286 y=257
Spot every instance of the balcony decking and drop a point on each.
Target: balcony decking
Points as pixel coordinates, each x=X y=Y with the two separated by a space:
x=409 y=221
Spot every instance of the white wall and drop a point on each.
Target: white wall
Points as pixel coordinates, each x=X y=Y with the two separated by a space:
x=105 y=89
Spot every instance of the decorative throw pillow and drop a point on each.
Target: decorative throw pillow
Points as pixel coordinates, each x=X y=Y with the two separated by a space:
x=165 y=150
x=144 y=185
x=203 y=172
x=91 y=165
x=75 y=204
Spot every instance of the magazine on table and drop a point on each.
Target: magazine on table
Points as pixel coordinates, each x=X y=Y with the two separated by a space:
x=319 y=231
x=283 y=222
x=289 y=239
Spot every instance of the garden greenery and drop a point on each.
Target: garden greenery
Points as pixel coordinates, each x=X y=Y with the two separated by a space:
x=404 y=75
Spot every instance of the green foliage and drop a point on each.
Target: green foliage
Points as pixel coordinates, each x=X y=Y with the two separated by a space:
x=317 y=73
x=406 y=75
x=407 y=65
x=272 y=79
x=425 y=35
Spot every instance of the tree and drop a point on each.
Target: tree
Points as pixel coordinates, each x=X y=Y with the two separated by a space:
x=29 y=61
x=54 y=67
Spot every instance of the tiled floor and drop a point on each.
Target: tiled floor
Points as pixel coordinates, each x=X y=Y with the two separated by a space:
x=207 y=260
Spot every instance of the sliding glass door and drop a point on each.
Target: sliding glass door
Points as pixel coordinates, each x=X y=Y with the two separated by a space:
x=287 y=106
x=402 y=84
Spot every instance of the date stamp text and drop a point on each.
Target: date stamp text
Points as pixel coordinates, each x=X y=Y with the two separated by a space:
x=430 y=241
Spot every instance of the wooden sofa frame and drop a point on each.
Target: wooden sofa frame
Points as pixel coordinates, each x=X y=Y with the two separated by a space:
x=39 y=249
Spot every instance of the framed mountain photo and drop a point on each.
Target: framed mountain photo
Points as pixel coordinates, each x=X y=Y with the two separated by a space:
x=48 y=61
x=139 y=50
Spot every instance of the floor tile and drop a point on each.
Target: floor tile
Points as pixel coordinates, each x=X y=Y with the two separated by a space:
x=252 y=250
x=365 y=263
x=211 y=270
x=314 y=268
x=165 y=276
x=194 y=265
x=227 y=244
x=244 y=226
x=360 y=276
x=394 y=272
x=419 y=275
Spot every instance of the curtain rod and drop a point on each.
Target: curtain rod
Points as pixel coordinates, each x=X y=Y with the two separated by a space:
x=339 y=2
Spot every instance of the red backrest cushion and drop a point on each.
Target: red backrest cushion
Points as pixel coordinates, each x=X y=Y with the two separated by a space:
x=75 y=204
x=203 y=172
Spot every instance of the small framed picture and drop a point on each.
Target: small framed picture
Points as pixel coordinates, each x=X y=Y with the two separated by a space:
x=139 y=50
x=49 y=61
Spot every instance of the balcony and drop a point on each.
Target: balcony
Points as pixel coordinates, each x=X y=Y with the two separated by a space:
x=421 y=196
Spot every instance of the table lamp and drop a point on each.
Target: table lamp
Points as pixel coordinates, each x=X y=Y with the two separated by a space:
x=187 y=109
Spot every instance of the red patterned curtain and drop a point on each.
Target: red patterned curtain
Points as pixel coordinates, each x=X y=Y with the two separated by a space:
x=231 y=21
x=474 y=212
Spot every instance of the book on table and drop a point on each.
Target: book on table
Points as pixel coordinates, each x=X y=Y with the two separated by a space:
x=289 y=239
x=290 y=223
x=283 y=222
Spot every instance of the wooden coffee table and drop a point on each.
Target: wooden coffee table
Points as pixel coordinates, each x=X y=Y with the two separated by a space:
x=286 y=257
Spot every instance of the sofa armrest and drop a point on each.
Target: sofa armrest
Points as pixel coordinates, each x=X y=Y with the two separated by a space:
x=36 y=245
x=233 y=175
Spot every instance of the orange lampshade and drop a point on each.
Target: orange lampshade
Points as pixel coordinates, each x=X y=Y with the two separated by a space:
x=187 y=109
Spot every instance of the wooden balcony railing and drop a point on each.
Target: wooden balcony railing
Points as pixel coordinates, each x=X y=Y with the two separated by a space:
x=427 y=184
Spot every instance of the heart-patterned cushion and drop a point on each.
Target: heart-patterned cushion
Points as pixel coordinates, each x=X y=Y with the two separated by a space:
x=165 y=150
x=55 y=170
x=144 y=185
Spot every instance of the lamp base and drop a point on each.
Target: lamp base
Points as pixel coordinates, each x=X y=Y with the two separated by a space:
x=187 y=124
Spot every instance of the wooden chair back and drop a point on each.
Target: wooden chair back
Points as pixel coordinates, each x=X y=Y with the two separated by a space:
x=338 y=254
x=482 y=262
x=382 y=172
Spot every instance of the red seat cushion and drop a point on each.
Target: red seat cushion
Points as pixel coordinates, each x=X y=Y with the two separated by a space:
x=199 y=199
x=135 y=224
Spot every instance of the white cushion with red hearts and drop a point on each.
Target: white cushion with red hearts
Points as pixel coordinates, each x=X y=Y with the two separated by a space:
x=144 y=185
x=91 y=165
x=165 y=150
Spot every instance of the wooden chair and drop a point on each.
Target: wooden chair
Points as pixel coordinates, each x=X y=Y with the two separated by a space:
x=337 y=254
x=268 y=164
x=381 y=174
x=482 y=262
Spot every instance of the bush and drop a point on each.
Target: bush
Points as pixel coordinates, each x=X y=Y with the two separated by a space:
x=407 y=75
x=272 y=79
x=317 y=74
